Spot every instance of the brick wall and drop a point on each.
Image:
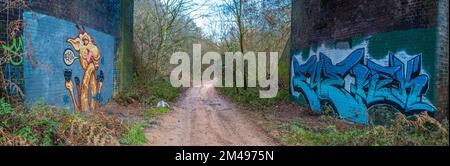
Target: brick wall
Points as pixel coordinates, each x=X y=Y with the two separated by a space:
x=59 y=53
x=61 y=71
x=317 y=21
x=102 y=15
x=442 y=75
x=361 y=55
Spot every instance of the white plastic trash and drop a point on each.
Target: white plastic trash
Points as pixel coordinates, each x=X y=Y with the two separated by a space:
x=163 y=104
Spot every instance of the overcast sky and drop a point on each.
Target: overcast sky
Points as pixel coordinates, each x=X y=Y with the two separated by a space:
x=206 y=8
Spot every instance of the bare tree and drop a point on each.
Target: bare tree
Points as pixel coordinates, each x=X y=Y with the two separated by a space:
x=257 y=25
x=163 y=27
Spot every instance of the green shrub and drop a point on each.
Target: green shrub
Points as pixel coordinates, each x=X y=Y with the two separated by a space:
x=27 y=133
x=135 y=135
x=404 y=132
x=5 y=108
x=152 y=112
x=149 y=92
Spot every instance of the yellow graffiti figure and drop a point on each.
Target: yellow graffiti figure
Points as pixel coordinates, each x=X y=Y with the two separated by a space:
x=89 y=56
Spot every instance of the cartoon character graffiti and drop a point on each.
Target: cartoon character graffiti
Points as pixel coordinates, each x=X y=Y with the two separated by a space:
x=401 y=84
x=89 y=56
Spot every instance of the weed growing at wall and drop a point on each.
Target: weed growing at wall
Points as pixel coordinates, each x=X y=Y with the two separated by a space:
x=423 y=130
x=5 y=108
x=134 y=135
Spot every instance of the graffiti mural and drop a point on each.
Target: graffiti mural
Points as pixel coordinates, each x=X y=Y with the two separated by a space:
x=72 y=67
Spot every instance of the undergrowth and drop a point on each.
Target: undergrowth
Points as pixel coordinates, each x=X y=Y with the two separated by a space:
x=421 y=131
x=134 y=136
x=149 y=92
x=153 y=112
x=43 y=125
x=250 y=97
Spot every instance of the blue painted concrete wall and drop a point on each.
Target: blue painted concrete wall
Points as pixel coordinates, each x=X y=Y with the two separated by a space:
x=44 y=68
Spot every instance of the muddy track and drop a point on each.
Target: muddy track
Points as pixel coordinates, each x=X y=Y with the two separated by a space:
x=202 y=117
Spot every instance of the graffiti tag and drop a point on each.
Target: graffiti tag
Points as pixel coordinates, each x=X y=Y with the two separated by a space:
x=399 y=84
x=14 y=50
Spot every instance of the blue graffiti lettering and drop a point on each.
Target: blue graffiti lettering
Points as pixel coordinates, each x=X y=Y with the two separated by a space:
x=400 y=84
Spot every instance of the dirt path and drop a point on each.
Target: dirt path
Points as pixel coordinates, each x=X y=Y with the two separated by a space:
x=203 y=118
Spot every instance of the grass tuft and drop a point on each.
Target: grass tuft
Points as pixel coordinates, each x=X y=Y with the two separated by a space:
x=153 y=112
x=135 y=135
x=422 y=131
